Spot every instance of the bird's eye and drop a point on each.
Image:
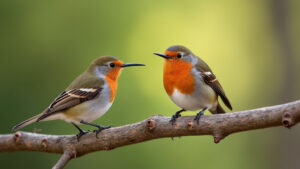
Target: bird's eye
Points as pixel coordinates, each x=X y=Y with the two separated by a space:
x=179 y=55
x=112 y=65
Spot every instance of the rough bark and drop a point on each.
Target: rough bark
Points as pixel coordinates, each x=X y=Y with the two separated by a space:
x=219 y=126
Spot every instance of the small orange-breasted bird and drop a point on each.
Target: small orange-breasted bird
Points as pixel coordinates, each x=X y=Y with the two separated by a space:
x=87 y=98
x=190 y=83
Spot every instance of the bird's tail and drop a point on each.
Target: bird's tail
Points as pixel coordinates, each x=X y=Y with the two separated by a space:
x=218 y=110
x=26 y=122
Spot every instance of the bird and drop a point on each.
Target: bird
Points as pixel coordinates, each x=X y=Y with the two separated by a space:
x=87 y=98
x=190 y=83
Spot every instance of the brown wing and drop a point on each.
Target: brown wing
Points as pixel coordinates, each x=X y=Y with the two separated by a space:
x=70 y=98
x=211 y=80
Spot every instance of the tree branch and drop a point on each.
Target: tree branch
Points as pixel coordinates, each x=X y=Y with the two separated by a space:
x=219 y=126
x=64 y=159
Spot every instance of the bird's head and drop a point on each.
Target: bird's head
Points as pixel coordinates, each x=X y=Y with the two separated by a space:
x=177 y=53
x=109 y=66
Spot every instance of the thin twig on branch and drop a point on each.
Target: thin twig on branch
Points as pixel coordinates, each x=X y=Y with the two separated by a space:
x=219 y=126
x=64 y=159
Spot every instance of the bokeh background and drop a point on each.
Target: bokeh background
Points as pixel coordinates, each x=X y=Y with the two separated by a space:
x=251 y=45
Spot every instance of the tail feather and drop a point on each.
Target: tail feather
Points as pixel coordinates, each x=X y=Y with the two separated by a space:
x=218 y=110
x=26 y=122
x=226 y=101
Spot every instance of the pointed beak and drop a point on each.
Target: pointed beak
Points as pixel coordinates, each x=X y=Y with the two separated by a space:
x=163 y=55
x=132 y=64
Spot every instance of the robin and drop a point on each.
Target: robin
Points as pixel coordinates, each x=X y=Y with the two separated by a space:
x=87 y=98
x=190 y=83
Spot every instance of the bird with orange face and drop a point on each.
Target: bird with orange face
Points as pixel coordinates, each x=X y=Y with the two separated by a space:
x=190 y=83
x=87 y=98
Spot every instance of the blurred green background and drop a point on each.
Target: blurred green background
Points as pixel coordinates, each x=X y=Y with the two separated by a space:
x=251 y=45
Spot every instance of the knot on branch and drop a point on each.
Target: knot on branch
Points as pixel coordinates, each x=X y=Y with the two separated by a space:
x=71 y=150
x=150 y=124
x=191 y=125
x=44 y=143
x=218 y=136
x=17 y=137
x=288 y=120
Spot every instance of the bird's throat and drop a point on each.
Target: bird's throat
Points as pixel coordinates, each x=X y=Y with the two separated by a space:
x=177 y=74
x=112 y=80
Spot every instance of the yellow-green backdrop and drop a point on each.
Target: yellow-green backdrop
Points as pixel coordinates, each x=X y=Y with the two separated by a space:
x=251 y=45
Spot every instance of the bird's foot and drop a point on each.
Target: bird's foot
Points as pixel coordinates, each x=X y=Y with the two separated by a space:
x=175 y=116
x=173 y=119
x=100 y=128
x=81 y=133
x=197 y=117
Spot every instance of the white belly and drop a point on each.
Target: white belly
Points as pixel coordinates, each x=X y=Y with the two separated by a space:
x=203 y=96
x=94 y=109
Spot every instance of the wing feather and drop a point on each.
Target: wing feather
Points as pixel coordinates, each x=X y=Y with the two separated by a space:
x=211 y=80
x=70 y=98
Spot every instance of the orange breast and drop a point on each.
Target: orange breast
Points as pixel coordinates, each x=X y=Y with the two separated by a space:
x=112 y=79
x=177 y=74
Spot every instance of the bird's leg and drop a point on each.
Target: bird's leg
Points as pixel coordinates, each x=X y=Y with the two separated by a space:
x=175 y=116
x=100 y=128
x=81 y=132
x=197 y=117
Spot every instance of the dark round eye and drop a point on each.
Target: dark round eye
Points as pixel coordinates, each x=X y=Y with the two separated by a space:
x=179 y=55
x=112 y=65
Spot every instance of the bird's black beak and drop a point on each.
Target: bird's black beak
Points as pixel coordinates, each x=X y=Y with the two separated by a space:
x=163 y=55
x=132 y=64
